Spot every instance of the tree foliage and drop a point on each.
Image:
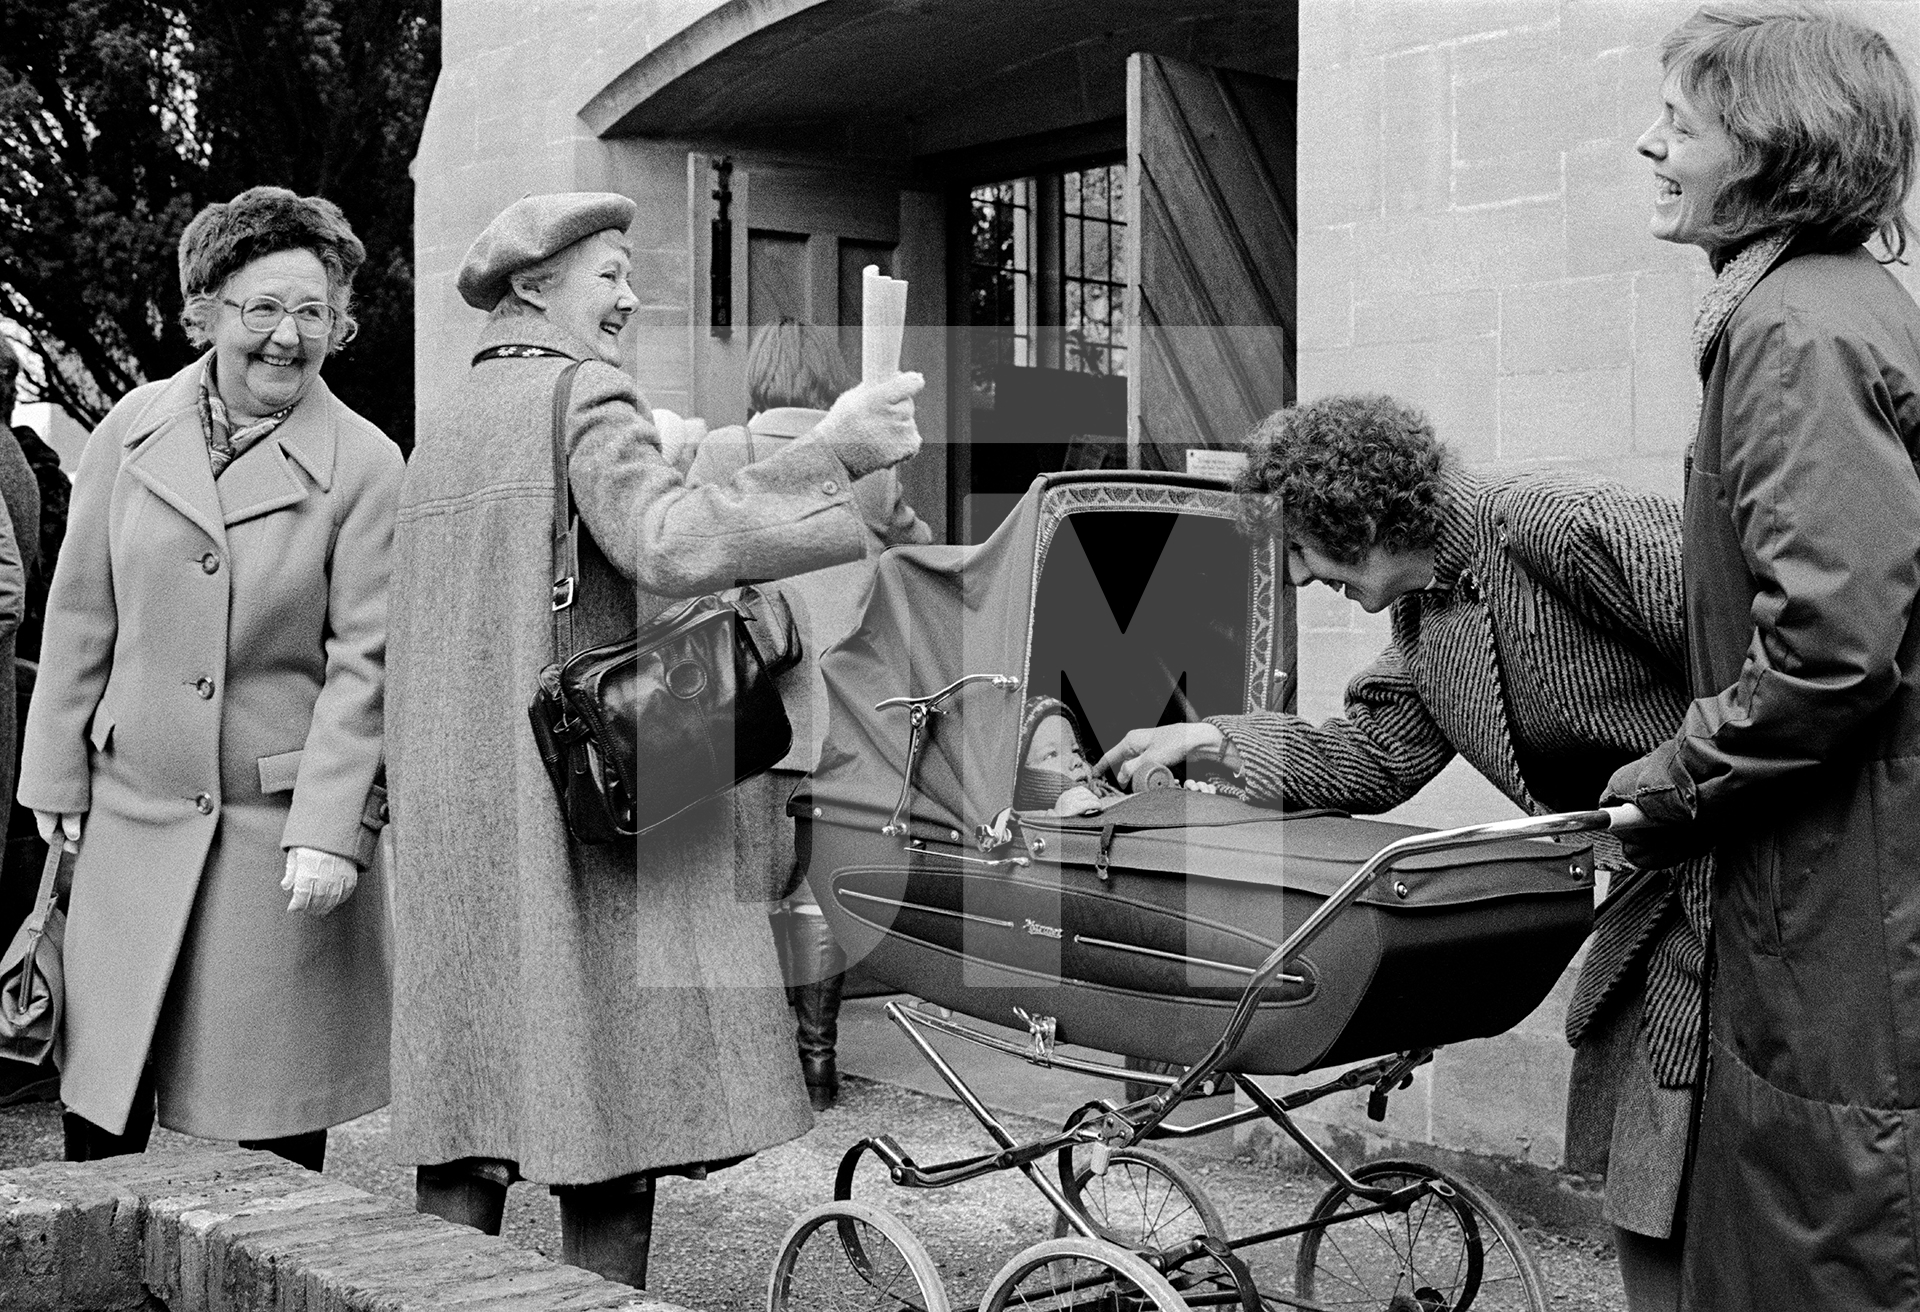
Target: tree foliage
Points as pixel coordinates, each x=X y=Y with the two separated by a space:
x=120 y=119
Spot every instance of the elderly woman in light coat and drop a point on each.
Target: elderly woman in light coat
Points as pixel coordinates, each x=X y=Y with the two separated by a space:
x=208 y=715
x=583 y=1017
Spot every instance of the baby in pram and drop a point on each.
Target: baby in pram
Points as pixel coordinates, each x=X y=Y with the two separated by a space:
x=1057 y=774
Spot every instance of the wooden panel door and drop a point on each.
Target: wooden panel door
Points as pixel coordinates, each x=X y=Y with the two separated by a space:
x=800 y=237
x=1210 y=296
x=1210 y=191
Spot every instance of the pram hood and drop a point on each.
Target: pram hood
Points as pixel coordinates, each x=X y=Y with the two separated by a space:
x=938 y=613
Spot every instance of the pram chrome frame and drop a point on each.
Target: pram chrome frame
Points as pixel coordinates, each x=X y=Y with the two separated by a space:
x=1105 y=1126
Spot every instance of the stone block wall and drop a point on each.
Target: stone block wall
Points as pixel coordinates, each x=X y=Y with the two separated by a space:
x=207 y=1229
x=1473 y=239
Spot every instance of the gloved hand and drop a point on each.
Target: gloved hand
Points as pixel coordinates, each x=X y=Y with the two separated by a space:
x=871 y=426
x=1669 y=831
x=67 y=822
x=319 y=881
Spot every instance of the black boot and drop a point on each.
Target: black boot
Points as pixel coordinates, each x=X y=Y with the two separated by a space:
x=458 y=1195
x=608 y=1228
x=308 y=1150
x=87 y=1142
x=819 y=975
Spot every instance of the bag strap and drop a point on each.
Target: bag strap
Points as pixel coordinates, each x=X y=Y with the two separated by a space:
x=566 y=523
x=49 y=878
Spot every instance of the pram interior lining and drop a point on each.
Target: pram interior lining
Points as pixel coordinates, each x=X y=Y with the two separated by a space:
x=1140 y=617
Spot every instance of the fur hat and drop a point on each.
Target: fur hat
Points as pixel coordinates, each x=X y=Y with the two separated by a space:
x=227 y=236
x=530 y=230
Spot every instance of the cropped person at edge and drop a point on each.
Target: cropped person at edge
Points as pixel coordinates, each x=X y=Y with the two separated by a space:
x=1786 y=142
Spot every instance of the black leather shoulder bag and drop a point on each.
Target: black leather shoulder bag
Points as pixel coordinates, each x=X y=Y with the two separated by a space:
x=635 y=732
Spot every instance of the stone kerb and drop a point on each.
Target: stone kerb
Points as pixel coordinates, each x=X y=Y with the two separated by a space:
x=209 y=1229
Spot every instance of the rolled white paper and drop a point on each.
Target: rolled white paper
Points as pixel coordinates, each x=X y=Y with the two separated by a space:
x=883 y=317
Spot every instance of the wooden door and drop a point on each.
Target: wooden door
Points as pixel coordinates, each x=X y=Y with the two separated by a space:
x=1210 y=190
x=1210 y=297
x=800 y=236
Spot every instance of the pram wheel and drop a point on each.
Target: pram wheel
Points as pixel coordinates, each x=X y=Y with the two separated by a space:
x=1447 y=1252
x=1079 y=1275
x=850 y=1257
x=1146 y=1201
x=1143 y=1200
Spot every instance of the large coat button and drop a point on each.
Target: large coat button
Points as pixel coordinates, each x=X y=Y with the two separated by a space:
x=204 y=688
x=204 y=803
x=209 y=564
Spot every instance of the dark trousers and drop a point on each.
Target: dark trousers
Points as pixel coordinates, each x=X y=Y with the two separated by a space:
x=87 y=1142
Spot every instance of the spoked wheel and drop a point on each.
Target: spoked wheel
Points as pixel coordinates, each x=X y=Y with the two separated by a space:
x=1146 y=1201
x=1452 y=1249
x=1142 y=1200
x=850 y=1257
x=1079 y=1275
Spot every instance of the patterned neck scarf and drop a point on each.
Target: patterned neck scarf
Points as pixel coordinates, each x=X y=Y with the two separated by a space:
x=1730 y=286
x=225 y=443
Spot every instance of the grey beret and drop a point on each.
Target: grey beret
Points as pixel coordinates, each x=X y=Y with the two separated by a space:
x=531 y=229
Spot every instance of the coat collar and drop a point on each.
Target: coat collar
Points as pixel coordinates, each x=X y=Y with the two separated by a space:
x=168 y=452
x=531 y=330
x=785 y=421
x=1461 y=496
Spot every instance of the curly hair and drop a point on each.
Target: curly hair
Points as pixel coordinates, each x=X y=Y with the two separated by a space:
x=226 y=237
x=1344 y=473
x=1819 y=111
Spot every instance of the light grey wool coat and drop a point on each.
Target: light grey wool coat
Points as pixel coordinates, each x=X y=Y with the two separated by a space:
x=583 y=1012
x=209 y=694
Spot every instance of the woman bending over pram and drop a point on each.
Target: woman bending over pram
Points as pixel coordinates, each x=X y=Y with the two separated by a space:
x=1537 y=632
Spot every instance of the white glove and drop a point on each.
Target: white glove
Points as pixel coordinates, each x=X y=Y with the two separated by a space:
x=68 y=822
x=871 y=426
x=319 y=881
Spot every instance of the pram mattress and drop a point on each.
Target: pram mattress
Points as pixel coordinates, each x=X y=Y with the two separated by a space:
x=1137 y=930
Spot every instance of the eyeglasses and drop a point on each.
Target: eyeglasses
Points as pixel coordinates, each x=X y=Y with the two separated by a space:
x=262 y=314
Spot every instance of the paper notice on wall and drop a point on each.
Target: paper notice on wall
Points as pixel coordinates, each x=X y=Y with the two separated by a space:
x=1223 y=465
x=883 y=315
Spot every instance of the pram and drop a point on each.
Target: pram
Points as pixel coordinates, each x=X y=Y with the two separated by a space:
x=1178 y=926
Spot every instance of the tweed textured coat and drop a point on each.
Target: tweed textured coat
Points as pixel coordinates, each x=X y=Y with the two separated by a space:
x=1800 y=760
x=209 y=694
x=826 y=603
x=582 y=1012
x=1549 y=650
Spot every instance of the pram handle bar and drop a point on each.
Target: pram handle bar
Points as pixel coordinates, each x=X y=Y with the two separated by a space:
x=919 y=711
x=1441 y=840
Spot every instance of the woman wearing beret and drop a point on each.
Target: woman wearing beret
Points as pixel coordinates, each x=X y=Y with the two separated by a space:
x=207 y=721
x=1786 y=142
x=582 y=1017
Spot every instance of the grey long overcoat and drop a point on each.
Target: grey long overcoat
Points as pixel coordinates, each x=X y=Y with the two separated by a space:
x=1801 y=759
x=209 y=693
x=585 y=1013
